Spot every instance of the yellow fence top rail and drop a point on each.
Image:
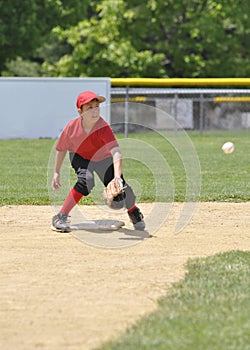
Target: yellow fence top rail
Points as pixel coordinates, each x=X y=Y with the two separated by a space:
x=232 y=99
x=180 y=81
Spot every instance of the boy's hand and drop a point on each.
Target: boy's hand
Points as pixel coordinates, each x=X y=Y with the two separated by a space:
x=113 y=189
x=56 y=181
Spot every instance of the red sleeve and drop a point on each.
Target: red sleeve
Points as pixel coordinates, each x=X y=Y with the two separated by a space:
x=63 y=141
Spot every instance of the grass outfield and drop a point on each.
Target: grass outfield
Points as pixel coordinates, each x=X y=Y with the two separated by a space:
x=208 y=310
x=23 y=171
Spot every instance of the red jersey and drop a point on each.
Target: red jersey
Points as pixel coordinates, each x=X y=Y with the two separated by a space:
x=95 y=145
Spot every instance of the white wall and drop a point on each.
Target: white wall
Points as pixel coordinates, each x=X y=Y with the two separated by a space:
x=41 y=107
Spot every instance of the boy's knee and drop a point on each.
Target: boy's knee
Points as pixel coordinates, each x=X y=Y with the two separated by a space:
x=85 y=182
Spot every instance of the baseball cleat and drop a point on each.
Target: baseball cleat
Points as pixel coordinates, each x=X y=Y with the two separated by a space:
x=60 y=223
x=137 y=219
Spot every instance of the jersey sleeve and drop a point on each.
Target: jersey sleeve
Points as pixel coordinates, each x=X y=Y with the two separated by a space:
x=63 y=141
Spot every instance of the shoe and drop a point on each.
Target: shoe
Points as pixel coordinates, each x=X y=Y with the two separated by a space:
x=60 y=223
x=137 y=219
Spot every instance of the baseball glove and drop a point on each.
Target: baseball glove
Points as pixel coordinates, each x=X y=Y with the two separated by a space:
x=114 y=194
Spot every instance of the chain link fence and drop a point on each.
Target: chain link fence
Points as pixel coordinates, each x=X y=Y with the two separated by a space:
x=192 y=108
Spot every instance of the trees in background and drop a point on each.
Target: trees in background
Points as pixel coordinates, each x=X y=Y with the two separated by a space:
x=135 y=38
x=26 y=31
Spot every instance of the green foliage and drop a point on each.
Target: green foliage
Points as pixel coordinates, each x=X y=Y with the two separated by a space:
x=119 y=38
x=208 y=310
x=21 y=67
x=26 y=25
x=158 y=39
x=105 y=45
x=18 y=29
x=197 y=36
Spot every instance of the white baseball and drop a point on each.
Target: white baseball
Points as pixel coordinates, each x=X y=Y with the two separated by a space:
x=228 y=147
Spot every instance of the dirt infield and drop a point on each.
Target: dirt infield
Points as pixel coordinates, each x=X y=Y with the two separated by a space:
x=59 y=293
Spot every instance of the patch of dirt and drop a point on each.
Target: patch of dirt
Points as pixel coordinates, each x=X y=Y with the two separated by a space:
x=60 y=293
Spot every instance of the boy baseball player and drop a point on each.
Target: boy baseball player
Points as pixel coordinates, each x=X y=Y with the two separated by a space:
x=92 y=147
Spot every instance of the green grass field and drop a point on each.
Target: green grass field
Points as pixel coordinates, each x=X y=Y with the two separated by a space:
x=209 y=309
x=24 y=163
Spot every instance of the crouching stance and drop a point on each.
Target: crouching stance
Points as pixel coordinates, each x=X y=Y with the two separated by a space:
x=92 y=148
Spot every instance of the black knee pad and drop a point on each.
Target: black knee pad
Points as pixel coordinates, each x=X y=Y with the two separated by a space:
x=85 y=181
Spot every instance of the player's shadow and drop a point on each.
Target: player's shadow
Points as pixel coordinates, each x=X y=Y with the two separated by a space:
x=134 y=235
